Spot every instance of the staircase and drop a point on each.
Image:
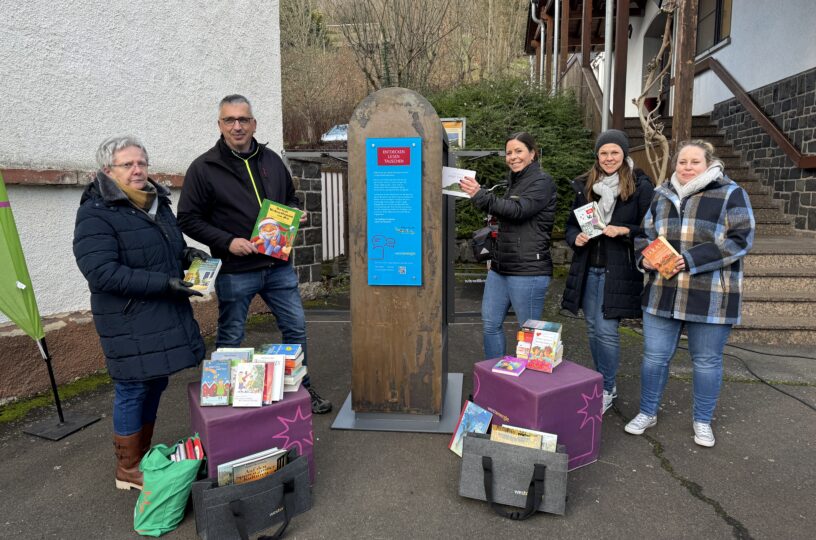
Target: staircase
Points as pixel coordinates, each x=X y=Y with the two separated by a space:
x=779 y=289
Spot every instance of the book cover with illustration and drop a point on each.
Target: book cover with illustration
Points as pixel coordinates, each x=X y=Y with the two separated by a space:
x=473 y=419
x=215 y=382
x=549 y=441
x=510 y=435
x=248 y=384
x=451 y=177
x=589 y=219
x=545 y=358
x=662 y=256
x=275 y=229
x=510 y=365
x=545 y=328
x=249 y=471
x=202 y=274
x=224 y=475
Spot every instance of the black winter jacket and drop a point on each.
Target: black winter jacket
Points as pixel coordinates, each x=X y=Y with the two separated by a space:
x=128 y=258
x=525 y=214
x=624 y=282
x=218 y=202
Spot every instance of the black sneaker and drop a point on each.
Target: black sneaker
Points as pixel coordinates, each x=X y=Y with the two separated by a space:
x=319 y=405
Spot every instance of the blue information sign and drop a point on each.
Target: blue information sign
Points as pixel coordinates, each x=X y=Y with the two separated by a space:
x=394 y=211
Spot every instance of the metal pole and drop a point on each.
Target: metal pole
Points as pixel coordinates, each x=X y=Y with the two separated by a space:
x=556 y=37
x=607 y=84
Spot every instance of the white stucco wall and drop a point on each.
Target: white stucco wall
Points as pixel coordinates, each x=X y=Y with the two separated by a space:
x=769 y=41
x=45 y=220
x=73 y=73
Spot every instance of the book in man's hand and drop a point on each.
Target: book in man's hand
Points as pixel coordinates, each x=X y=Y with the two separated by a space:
x=662 y=256
x=275 y=229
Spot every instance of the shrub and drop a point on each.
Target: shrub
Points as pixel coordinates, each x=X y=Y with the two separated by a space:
x=494 y=110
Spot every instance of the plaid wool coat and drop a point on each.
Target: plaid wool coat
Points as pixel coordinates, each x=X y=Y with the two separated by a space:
x=713 y=230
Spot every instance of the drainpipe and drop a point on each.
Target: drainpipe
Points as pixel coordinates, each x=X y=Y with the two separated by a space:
x=556 y=37
x=541 y=47
x=607 y=82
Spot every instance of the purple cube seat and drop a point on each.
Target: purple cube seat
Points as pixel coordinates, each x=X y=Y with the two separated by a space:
x=567 y=402
x=229 y=433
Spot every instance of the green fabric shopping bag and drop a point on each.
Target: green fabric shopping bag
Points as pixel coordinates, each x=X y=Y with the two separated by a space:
x=165 y=492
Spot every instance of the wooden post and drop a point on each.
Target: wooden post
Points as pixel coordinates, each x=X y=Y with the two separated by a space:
x=621 y=50
x=398 y=333
x=685 y=48
x=586 y=28
x=563 y=38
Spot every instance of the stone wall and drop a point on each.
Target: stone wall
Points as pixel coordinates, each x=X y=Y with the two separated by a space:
x=791 y=104
x=309 y=243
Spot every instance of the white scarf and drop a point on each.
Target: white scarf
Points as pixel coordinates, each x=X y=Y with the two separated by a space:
x=714 y=171
x=609 y=188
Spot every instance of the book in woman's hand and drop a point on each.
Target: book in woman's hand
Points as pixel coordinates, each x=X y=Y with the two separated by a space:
x=662 y=256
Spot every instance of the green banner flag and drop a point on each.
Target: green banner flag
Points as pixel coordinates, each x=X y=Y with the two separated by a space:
x=17 y=301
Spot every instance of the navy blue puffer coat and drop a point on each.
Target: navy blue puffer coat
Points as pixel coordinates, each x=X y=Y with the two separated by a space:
x=128 y=258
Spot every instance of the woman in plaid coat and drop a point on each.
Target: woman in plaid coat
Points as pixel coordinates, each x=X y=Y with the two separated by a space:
x=708 y=220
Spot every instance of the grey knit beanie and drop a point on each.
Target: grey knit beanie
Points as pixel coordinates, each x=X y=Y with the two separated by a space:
x=613 y=136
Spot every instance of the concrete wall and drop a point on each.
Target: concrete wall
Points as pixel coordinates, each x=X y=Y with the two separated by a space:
x=74 y=73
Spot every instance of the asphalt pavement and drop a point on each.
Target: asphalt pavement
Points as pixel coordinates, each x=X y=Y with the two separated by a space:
x=759 y=480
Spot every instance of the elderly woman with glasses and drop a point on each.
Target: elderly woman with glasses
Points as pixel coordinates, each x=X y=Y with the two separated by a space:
x=130 y=249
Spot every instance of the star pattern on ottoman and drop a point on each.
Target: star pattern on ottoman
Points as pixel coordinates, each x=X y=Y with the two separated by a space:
x=290 y=433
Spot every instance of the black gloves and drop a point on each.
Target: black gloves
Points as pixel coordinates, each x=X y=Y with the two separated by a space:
x=181 y=289
x=191 y=253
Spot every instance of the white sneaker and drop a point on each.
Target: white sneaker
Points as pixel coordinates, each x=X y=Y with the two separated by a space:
x=640 y=423
x=703 y=435
x=608 y=398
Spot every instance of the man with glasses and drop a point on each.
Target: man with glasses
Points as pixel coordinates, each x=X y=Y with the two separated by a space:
x=222 y=195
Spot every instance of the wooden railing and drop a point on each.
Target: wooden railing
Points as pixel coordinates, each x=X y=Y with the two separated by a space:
x=802 y=161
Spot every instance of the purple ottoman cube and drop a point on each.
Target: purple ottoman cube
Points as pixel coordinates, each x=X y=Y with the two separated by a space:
x=567 y=402
x=228 y=433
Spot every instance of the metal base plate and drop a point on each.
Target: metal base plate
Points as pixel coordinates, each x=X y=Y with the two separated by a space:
x=423 y=423
x=55 y=430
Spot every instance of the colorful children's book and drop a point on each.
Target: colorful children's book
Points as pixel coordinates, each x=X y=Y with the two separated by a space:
x=662 y=256
x=273 y=376
x=510 y=365
x=589 y=219
x=202 y=274
x=473 y=419
x=215 y=382
x=290 y=351
x=275 y=229
x=545 y=358
x=249 y=384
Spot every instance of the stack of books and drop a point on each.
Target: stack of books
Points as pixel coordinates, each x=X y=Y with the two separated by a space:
x=252 y=467
x=242 y=378
x=539 y=343
x=188 y=449
x=294 y=370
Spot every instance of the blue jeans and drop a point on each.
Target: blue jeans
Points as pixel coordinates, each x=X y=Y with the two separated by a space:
x=604 y=341
x=135 y=404
x=706 y=343
x=278 y=286
x=526 y=295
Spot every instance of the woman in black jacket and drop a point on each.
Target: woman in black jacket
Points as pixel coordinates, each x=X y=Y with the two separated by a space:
x=603 y=279
x=130 y=249
x=521 y=265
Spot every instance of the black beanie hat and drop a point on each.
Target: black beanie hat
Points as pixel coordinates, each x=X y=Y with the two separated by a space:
x=613 y=136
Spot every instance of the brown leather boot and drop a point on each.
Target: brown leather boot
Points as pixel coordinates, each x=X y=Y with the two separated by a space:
x=147 y=438
x=127 y=449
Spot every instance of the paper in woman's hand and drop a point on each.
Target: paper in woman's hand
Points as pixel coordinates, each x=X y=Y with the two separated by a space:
x=451 y=177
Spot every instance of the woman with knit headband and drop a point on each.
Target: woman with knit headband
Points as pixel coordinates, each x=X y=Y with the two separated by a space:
x=603 y=280
x=130 y=249
x=708 y=220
